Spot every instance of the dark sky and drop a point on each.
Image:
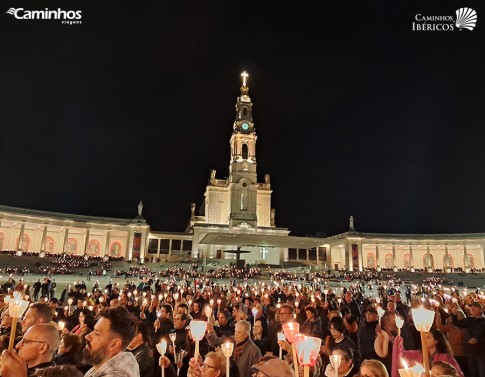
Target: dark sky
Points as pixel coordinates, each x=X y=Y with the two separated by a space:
x=355 y=112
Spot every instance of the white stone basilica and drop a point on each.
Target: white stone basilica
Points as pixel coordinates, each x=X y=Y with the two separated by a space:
x=235 y=220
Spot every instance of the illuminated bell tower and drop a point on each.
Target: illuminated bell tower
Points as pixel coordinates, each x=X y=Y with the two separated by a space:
x=242 y=168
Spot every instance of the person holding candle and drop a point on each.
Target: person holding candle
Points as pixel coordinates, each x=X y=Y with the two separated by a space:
x=214 y=365
x=338 y=339
x=283 y=315
x=347 y=366
x=164 y=323
x=35 y=351
x=438 y=348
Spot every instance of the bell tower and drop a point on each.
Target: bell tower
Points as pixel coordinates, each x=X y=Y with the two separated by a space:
x=243 y=179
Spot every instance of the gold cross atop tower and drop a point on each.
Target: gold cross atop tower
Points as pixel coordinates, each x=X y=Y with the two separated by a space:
x=244 y=75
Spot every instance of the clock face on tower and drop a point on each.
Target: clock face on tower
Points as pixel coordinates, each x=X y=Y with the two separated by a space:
x=245 y=126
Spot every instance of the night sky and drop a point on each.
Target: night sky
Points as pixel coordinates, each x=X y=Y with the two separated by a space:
x=356 y=113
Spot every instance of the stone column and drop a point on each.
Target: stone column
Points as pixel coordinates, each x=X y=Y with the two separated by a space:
x=86 y=241
x=307 y=255
x=64 y=243
x=317 y=256
x=393 y=256
x=465 y=257
x=361 y=256
x=170 y=247
x=143 y=245
x=348 y=257
x=428 y=257
x=131 y=235
x=44 y=237
x=106 y=246
x=158 y=248
x=377 y=256
x=445 y=265
x=411 y=256
x=21 y=236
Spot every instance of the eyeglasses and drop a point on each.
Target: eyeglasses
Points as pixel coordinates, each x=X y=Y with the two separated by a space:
x=27 y=341
x=206 y=366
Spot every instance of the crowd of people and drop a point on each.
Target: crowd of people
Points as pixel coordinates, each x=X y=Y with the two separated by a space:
x=114 y=330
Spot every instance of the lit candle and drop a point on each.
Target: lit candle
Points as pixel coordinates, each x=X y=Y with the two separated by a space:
x=227 y=349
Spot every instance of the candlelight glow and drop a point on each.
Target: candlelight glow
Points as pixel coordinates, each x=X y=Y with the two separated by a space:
x=308 y=349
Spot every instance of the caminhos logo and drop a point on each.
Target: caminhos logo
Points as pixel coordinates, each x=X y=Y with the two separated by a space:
x=68 y=17
x=466 y=18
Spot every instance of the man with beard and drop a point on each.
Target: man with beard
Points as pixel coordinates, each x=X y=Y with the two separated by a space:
x=106 y=344
x=35 y=351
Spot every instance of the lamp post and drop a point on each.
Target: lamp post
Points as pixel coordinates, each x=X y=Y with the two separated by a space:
x=308 y=348
x=423 y=319
x=197 y=328
x=291 y=330
x=227 y=349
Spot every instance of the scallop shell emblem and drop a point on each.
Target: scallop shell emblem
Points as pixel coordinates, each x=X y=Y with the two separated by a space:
x=466 y=18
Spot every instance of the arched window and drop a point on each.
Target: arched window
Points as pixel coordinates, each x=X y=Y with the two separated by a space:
x=116 y=248
x=71 y=245
x=428 y=262
x=244 y=111
x=25 y=242
x=94 y=246
x=50 y=243
x=245 y=151
x=407 y=261
x=470 y=261
x=448 y=262
x=371 y=260
x=389 y=260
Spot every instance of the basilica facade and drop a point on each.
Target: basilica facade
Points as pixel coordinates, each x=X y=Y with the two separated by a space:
x=237 y=222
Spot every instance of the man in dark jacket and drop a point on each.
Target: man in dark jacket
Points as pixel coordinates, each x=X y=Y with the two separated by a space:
x=474 y=338
x=138 y=347
x=367 y=334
